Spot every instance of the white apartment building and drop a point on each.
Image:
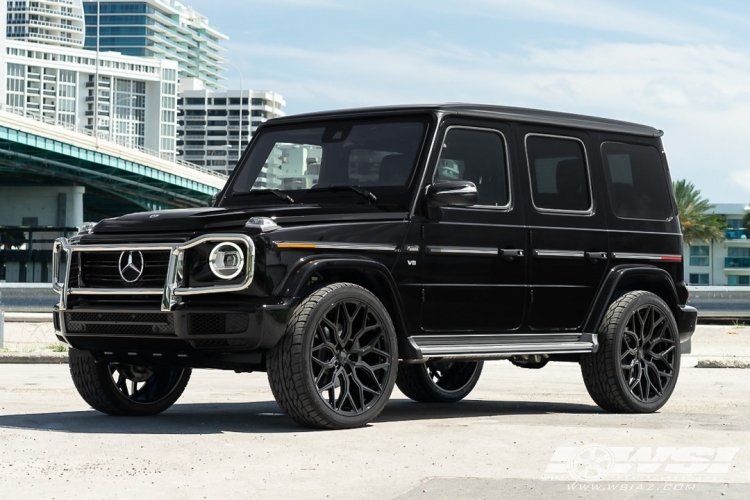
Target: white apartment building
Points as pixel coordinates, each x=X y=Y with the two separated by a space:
x=215 y=126
x=721 y=263
x=45 y=21
x=48 y=74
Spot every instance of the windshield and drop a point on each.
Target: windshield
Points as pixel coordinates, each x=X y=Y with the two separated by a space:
x=375 y=154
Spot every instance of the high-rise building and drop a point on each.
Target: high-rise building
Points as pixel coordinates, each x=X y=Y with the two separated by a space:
x=158 y=28
x=48 y=74
x=56 y=21
x=215 y=126
x=3 y=66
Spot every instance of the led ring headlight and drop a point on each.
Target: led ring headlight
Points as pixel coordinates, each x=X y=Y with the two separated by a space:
x=226 y=260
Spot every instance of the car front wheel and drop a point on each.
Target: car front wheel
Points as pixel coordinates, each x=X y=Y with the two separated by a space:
x=119 y=389
x=335 y=366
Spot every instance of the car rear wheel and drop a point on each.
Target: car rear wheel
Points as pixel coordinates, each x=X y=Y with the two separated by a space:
x=119 y=389
x=438 y=381
x=636 y=366
x=335 y=366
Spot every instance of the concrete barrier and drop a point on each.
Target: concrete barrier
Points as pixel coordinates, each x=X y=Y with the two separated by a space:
x=27 y=297
x=721 y=302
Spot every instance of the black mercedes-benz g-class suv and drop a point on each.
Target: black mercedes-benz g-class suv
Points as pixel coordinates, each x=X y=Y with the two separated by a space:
x=353 y=250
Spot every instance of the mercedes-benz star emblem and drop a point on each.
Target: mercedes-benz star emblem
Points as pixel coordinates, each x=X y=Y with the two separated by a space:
x=131 y=266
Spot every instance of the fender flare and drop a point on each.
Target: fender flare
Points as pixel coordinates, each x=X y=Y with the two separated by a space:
x=359 y=267
x=619 y=277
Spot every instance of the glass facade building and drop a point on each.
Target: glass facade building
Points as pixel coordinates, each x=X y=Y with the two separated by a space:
x=158 y=28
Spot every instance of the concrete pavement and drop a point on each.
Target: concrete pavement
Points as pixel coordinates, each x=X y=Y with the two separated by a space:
x=516 y=436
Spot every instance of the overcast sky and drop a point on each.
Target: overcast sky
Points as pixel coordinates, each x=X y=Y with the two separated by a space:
x=681 y=66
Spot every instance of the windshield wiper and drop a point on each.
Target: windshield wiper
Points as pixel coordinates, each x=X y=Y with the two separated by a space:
x=276 y=192
x=363 y=192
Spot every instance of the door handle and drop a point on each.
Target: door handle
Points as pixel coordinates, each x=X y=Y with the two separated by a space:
x=511 y=253
x=558 y=254
x=596 y=256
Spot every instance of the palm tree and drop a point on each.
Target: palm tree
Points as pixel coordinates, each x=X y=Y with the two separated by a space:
x=695 y=217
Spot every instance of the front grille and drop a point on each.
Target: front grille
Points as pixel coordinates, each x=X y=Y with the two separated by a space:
x=129 y=318
x=102 y=270
x=217 y=324
x=119 y=323
x=74 y=271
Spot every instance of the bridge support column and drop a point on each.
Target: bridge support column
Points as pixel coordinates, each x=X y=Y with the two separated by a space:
x=56 y=206
x=25 y=211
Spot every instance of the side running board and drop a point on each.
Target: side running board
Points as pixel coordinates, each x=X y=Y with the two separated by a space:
x=502 y=345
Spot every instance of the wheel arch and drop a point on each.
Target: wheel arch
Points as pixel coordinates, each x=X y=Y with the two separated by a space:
x=374 y=276
x=621 y=279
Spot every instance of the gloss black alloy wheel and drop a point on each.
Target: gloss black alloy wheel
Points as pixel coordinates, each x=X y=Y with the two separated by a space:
x=336 y=365
x=119 y=389
x=647 y=353
x=438 y=381
x=636 y=367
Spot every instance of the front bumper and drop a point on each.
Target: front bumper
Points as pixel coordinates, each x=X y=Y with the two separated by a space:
x=159 y=320
x=687 y=318
x=190 y=333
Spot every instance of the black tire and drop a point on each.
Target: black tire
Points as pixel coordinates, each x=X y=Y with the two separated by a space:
x=636 y=367
x=336 y=365
x=125 y=390
x=438 y=381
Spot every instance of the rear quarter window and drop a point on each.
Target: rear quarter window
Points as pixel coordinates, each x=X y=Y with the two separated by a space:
x=637 y=181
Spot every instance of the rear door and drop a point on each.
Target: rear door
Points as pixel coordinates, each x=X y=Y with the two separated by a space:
x=568 y=241
x=475 y=257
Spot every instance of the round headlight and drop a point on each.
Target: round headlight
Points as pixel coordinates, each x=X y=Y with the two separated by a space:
x=180 y=265
x=226 y=260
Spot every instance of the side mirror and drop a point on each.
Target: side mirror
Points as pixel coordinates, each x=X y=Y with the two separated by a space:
x=451 y=194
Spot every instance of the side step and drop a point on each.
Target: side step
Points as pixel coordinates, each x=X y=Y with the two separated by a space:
x=502 y=345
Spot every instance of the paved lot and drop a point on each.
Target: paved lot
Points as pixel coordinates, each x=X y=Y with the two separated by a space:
x=517 y=436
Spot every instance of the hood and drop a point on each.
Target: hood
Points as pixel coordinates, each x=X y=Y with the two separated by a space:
x=219 y=219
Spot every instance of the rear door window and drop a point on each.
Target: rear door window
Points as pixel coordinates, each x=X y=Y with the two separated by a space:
x=559 y=174
x=637 y=181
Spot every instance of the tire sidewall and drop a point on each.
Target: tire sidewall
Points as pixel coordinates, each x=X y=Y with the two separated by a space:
x=132 y=408
x=330 y=300
x=458 y=394
x=615 y=341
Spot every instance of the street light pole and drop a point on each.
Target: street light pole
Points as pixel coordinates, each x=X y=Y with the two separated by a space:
x=96 y=81
x=239 y=140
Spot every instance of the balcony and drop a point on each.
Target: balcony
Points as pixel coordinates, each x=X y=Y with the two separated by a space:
x=735 y=234
x=737 y=263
